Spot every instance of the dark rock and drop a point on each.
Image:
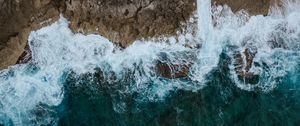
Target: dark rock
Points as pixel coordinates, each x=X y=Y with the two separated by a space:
x=243 y=63
x=172 y=70
x=254 y=7
x=26 y=56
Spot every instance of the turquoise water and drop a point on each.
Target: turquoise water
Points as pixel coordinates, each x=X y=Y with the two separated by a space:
x=86 y=80
x=219 y=103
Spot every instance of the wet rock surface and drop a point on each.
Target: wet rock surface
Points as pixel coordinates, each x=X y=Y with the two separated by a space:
x=173 y=70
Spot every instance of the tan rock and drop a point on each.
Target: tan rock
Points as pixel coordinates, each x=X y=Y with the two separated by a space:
x=126 y=21
x=254 y=7
x=167 y=68
x=17 y=19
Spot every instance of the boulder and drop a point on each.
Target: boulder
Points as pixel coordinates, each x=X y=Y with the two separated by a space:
x=167 y=68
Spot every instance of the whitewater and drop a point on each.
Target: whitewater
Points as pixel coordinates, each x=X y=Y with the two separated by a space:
x=59 y=55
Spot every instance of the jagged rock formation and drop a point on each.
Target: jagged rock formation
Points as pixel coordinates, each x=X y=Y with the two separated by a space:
x=243 y=64
x=121 y=21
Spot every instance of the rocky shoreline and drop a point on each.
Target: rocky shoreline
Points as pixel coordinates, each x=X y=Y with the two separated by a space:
x=122 y=22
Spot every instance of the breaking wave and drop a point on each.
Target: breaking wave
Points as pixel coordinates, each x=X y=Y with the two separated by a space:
x=29 y=91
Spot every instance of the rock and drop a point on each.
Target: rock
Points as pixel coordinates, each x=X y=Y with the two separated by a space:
x=169 y=70
x=17 y=19
x=128 y=20
x=243 y=63
x=26 y=56
x=165 y=67
x=254 y=7
x=13 y=49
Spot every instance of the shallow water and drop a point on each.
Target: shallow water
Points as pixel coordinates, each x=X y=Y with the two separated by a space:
x=75 y=79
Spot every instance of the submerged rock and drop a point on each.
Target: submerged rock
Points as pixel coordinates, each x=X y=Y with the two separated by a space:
x=243 y=64
x=167 y=68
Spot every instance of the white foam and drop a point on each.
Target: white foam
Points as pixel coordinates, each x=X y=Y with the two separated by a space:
x=211 y=48
x=256 y=32
x=55 y=49
x=241 y=31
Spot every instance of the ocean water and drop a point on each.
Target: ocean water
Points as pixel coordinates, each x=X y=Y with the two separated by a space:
x=86 y=80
